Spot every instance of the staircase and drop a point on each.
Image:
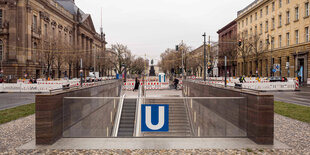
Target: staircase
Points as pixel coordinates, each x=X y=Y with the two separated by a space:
x=126 y=126
x=179 y=125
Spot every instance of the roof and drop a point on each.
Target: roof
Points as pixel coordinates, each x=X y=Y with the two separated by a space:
x=70 y=6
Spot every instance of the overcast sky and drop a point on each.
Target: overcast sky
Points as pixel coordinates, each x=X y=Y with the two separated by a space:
x=151 y=26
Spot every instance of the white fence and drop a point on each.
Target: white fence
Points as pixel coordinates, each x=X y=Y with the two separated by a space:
x=262 y=84
x=41 y=86
x=27 y=88
x=148 y=85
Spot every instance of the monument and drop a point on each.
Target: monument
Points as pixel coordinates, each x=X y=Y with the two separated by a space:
x=152 y=70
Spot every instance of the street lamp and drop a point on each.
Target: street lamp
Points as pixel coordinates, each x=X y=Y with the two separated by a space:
x=271 y=67
x=204 y=58
x=81 y=73
x=125 y=72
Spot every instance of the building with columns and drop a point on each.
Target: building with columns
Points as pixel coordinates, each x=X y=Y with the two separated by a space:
x=275 y=35
x=41 y=38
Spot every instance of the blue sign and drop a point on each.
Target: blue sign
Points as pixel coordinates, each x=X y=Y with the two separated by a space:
x=155 y=118
x=274 y=70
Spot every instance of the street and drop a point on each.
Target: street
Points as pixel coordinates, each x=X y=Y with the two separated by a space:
x=11 y=100
x=301 y=97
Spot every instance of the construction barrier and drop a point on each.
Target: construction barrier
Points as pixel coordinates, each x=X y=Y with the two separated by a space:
x=148 y=85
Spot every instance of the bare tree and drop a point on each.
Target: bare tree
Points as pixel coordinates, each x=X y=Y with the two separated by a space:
x=244 y=51
x=138 y=66
x=49 y=51
x=123 y=57
x=257 y=50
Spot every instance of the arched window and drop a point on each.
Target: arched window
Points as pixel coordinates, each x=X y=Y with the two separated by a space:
x=1 y=51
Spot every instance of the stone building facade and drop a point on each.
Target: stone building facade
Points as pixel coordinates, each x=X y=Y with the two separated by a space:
x=195 y=60
x=227 y=47
x=277 y=32
x=41 y=38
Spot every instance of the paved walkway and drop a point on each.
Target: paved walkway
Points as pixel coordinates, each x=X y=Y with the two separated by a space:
x=11 y=100
x=155 y=143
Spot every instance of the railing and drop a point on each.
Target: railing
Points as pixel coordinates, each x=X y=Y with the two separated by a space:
x=140 y=100
x=118 y=116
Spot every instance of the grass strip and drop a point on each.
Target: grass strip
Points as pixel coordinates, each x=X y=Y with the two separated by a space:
x=298 y=112
x=16 y=113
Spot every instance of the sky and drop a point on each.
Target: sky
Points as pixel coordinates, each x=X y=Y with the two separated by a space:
x=151 y=26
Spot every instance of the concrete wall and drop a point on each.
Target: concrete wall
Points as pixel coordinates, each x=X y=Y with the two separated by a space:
x=258 y=111
x=50 y=114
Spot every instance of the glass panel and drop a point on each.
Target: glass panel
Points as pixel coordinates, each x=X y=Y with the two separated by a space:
x=185 y=117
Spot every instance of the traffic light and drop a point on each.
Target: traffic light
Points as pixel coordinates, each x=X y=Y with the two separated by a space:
x=240 y=43
x=177 y=47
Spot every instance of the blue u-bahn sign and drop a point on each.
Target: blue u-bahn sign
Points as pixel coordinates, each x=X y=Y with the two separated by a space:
x=154 y=118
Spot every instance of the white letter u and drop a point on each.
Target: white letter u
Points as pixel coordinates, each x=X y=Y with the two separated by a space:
x=148 y=118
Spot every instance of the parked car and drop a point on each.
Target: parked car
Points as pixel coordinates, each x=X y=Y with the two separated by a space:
x=278 y=79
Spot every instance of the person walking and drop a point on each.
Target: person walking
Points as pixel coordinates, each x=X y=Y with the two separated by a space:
x=137 y=84
x=176 y=82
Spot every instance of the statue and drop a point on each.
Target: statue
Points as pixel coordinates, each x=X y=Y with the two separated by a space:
x=152 y=71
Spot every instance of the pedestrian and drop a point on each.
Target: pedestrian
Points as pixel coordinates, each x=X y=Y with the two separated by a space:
x=137 y=84
x=176 y=82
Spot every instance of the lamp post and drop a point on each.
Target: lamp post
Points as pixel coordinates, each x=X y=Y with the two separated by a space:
x=81 y=73
x=204 y=58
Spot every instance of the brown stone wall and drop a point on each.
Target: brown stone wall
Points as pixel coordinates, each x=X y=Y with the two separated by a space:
x=19 y=35
x=49 y=109
x=258 y=111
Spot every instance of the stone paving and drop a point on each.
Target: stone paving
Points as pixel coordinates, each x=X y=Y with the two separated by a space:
x=291 y=132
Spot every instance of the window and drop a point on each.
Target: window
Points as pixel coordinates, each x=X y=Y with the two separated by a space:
x=273 y=6
x=296 y=36
x=307 y=9
x=272 y=42
x=251 y=19
x=0 y=17
x=255 y=29
x=288 y=1
x=261 y=45
x=34 y=21
x=1 y=51
x=255 y=15
x=273 y=23
x=261 y=13
x=267 y=26
x=280 y=41
x=261 y=28
x=296 y=13
x=267 y=10
x=45 y=29
x=59 y=35
x=242 y=23
x=54 y=35
x=34 y=51
x=280 y=20
x=246 y=21
x=288 y=17
x=288 y=39
x=280 y=3
x=307 y=34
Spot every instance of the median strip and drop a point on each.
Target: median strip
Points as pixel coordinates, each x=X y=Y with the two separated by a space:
x=16 y=113
x=298 y=112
